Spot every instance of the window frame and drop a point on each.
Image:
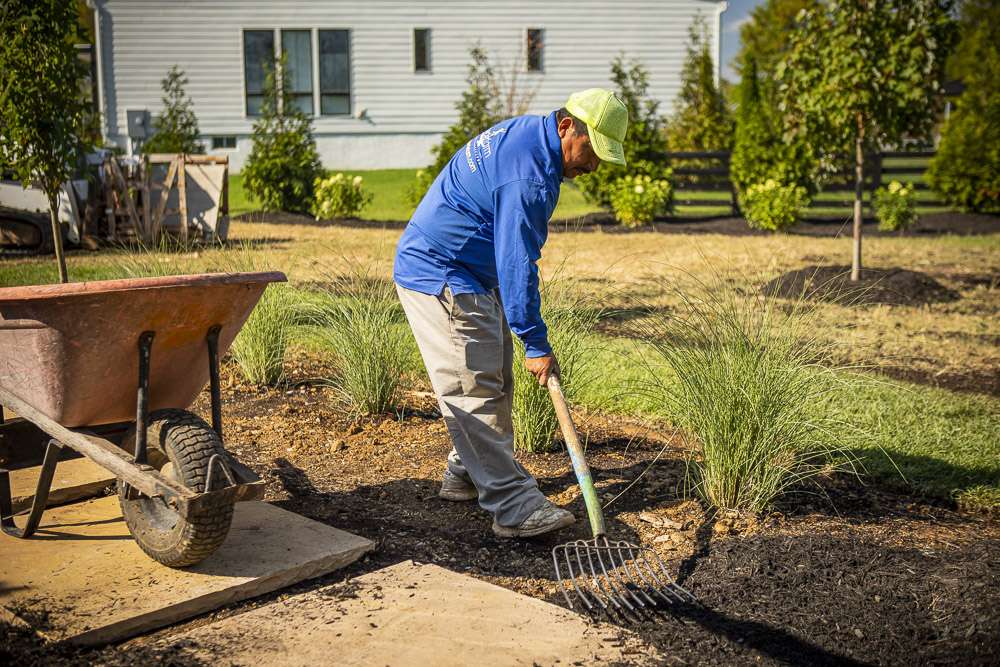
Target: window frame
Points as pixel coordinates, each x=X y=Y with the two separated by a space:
x=350 y=79
x=427 y=51
x=218 y=137
x=527 y=51
x=313 y=63
x=243 y=63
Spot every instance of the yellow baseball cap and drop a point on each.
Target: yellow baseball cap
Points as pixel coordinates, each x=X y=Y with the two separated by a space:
x=607 y=121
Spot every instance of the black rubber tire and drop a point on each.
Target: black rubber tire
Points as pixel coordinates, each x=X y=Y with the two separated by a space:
x=186 y=441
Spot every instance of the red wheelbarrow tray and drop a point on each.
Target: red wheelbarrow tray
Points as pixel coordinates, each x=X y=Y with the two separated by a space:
x=70 y=350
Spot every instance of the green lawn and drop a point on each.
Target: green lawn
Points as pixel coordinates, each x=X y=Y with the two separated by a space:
x=389 y=187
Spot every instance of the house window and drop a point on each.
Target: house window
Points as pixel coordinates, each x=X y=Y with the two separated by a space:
x=421 y=50
x=536 y=46
x=297 y=46
x=334 y=72
x=258 y=59
x=223 y=142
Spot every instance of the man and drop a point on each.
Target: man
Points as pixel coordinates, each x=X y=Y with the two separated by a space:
x=466 y=275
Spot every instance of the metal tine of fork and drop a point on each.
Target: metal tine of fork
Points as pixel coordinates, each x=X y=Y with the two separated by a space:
x=616 y=569
x=560 y=579
x=650 y=576
x=595 y=591
x=572 y=578
x=640 y=584
x=596 y=578
x=668 y=585
x=607 y=577
x=673 y=582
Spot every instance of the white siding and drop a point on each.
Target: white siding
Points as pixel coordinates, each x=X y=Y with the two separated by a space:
x=142 y=39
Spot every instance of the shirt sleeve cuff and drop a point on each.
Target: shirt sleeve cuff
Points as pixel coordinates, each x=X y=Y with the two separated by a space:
x=534 y=349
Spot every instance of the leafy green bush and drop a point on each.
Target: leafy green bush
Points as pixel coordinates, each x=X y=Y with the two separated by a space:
x=773 y=206
x=895 y=207
x=340 y=197
x=638 y=200
x=176 y=128
x=966 y=169
x=760 y=151
x=749 y=380
x=571 y=320
x=283 y=164
x=643 y=141
x=360 y=322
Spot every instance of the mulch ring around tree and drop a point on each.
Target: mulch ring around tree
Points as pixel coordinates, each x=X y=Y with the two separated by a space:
x=894 y=286
x=849 y=575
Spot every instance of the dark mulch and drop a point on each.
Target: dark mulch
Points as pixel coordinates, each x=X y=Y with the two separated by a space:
x=897 y=287
x=853 y=574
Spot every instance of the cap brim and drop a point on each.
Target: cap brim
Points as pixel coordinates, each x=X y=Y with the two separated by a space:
x=606 y=148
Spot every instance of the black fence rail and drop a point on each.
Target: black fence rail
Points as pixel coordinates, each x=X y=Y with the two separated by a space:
x=708 y=171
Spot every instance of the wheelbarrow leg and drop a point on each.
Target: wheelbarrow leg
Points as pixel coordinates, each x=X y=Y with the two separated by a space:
x=52 y=453
x=213 y=375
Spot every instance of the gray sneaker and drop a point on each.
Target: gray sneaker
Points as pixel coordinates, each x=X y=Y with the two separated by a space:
x=456 y=489
x=545 y=519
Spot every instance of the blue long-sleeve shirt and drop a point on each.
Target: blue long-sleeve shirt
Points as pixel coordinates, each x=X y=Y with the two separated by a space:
x=484 y=221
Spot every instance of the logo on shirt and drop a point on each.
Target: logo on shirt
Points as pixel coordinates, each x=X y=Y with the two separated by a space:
x=484 y=145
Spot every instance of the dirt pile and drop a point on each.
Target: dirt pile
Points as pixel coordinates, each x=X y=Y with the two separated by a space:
x=894 y=287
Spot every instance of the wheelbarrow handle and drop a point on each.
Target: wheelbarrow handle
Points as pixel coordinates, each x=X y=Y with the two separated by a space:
x=577 y=457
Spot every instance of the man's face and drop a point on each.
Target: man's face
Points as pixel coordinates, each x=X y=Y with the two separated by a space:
x=578 y=155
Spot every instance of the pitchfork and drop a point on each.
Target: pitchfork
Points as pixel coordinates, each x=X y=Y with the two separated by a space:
x=607 y=575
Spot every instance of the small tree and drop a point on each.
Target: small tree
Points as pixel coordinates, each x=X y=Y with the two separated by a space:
x=478 y=110
x=701 y=119
x=764 y=39
x=966 y=168
x=862 y=73
x=283 y=164
x=644 y=139
x=43 y=111
x=176 y=129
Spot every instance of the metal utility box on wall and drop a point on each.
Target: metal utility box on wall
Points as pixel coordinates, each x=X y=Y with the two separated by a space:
x=138 y=123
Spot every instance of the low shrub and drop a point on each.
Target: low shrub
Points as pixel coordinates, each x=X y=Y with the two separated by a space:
x=359 y=321
x=338 y=196
x=570 y=320
x=773 y=206
x=895 y=207
x=259 y=348
x=638 y=200
x=751 y=382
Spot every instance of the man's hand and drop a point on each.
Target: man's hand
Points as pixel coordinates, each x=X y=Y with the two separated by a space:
x=542 y=367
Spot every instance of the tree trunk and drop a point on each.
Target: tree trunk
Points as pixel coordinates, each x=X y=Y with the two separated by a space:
x=57 y=236
x=859 y=182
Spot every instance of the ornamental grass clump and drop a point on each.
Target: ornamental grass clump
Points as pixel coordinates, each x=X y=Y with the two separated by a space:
x=358 y=320
x=895 y=207
x=638 y=200
x=340 y=196
x=750 y=382
x=773 y=206
x=570 y=320
x=259 y=348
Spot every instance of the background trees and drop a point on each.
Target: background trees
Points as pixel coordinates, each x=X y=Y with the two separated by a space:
x=44 y=113
x=862 y=73
x=176 y=128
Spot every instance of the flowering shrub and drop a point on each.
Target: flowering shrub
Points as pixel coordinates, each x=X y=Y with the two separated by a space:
x=340 y=197
x=895 y=207
x=637 y=200
x=773 y=206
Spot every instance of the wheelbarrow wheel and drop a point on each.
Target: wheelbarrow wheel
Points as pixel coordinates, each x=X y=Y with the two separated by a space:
x=179 y=445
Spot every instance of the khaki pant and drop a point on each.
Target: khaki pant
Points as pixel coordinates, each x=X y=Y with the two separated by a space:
x=467 y=348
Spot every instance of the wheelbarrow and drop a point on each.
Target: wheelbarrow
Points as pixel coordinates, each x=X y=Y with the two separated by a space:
x=107 y=369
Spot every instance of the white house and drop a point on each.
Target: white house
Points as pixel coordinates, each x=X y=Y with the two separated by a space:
x=379 y=77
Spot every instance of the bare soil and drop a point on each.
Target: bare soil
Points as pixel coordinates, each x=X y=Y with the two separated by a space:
x=841 y=574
